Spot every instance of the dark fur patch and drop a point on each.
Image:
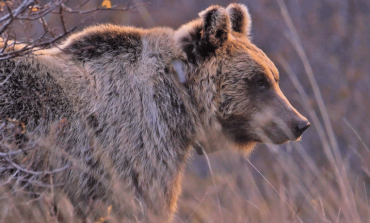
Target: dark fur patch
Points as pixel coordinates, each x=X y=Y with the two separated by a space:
x=135 y=180
x=196 y=47
x=207 y=22
x=237 y=18
x=93 y=122
x=206 y=34
x=236 y=128
x=95 y=45
x=205 y=48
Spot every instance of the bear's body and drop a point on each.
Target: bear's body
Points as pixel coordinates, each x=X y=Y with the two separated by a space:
x=126 y=99
x=124 y=106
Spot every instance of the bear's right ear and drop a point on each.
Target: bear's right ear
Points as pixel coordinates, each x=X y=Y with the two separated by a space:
x=201 y=37
x=216 y=26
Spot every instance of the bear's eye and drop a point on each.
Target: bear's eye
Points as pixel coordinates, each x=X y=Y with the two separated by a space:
x=261 y=83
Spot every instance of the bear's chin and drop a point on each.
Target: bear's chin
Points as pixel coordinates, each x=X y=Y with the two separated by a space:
x=246 y=148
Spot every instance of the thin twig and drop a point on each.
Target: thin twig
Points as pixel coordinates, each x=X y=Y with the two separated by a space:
x=195 y=209
x=358 y=136
x=113 y=8
x=213 y=179
x=37 y=172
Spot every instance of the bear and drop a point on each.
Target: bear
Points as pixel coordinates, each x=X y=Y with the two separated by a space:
x=118 y=110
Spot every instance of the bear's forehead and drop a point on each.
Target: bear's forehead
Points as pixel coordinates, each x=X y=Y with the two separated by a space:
x=261 y=62
x=265 y=63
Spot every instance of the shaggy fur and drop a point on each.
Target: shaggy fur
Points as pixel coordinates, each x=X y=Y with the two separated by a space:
x=126 y=120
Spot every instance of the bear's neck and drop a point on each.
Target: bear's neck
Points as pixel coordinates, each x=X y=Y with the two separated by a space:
x=202 y=91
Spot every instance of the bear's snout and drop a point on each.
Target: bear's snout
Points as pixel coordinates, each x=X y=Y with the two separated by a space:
x=301 y=126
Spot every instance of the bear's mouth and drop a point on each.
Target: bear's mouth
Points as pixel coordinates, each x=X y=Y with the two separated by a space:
x=275 y=136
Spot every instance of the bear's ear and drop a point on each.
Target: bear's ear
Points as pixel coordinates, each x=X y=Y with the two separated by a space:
x=240 y=18
x=216 y=26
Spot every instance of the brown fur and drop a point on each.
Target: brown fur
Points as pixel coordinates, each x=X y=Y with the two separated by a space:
x=129 y=121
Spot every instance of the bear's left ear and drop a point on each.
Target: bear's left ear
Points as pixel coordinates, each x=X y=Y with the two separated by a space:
x=216 y=26
x=240 y=18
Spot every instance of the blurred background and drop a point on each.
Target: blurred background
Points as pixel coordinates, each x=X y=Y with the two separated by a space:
x=321 y=48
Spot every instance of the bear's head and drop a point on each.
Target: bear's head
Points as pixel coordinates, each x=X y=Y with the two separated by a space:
x=233 y=82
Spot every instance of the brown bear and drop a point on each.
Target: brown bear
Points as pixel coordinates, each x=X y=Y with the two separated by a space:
x=119 y=109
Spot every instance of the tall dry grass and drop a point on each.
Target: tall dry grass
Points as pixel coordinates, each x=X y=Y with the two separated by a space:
x=275 y=184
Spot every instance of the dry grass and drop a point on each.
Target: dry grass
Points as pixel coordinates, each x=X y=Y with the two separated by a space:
x=281 y=185
x=276 y=184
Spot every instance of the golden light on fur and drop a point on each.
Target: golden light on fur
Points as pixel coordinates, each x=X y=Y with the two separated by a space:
x=129 y=104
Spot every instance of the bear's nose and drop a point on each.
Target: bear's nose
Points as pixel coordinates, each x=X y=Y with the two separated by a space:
x=301 y=127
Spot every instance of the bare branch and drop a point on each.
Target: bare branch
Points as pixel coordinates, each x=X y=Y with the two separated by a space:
x=62 y=20
x=10 y=17
x=26 y=12
x=46 y=10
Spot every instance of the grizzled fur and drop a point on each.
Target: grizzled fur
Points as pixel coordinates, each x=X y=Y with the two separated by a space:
x=126 y=117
